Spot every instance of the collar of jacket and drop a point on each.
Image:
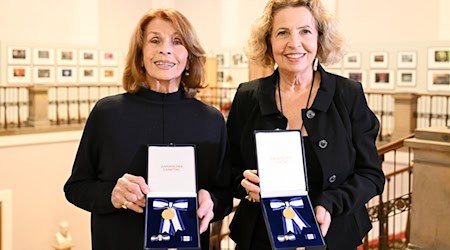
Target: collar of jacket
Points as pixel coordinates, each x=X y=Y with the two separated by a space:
x=266 y=92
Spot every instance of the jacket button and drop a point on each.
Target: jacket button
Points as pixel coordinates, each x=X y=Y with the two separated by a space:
x=310 y=114
x=323 y=143
x=332 y=178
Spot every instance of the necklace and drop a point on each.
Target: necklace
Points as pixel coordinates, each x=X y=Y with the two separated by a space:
x=307 y=101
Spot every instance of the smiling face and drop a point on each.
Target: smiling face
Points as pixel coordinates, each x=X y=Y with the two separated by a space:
x=294 y=40
x=164 y=54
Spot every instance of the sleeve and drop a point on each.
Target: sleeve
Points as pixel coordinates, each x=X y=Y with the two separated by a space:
x=84 y=188
x=235 y=127
x=221 y=192
x=368 y=178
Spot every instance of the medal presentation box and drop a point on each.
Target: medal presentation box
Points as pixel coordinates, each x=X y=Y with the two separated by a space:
x=287 y=209
x=171 y=205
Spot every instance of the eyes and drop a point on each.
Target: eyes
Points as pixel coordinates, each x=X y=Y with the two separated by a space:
x=159 y=40
x=286 y=32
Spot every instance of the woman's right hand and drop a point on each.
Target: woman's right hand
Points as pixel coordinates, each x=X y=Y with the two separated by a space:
x=250 y=183
x=129 y=193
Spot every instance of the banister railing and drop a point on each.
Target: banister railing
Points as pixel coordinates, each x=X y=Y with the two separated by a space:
x=389 y=212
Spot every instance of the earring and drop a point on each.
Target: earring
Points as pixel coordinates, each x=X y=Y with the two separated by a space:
x=315 y=64
x=186 y=73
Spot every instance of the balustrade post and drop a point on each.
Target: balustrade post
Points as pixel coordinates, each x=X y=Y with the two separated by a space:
x=405 y=114
x=38 y=107
x=430 y=224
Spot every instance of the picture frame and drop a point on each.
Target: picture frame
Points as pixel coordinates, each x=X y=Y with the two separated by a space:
x=439 y=58
x=19 y=55
x=223 y=59
x=406 y=78
x=43 y=74
x=88 y=74
x=439 y=80
x=108 y=58
x=88 y=57
x=66 y=74
x=109 y=75
x=66 y=57
x=352 y=60
x=222 y=75
x=43 y=56
x=382 y=79
x=357 y=76
x=407 y=60
x=19 y=74
x=239 y=60
x=379 y=60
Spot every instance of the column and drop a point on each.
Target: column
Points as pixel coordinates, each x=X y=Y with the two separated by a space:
x=430 y=213
x=405 y=114
x=38 y=108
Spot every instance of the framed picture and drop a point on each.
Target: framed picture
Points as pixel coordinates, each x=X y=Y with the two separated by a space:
x=88 y=57
x=439 y=80
x=88 y=74
x=43 y=56
x=352 y=60
x=222 y=75
x=238 y=59
x=223 y=59
x=378 y=60
x=109 y=75
x=19 y=55
x=381 y=79
x=43 y=74
x=66 y=75
x=406 y=78
x=109 y=58
x=19 y=74
x=439 y=58
x=407 y=60
x=357 y=76
x=66 y=57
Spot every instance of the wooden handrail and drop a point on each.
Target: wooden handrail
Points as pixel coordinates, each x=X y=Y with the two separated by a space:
x=393 y=145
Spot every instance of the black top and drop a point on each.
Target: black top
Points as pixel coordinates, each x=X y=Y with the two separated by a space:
x=114 y=142
x=313 y=170
x=341 y=130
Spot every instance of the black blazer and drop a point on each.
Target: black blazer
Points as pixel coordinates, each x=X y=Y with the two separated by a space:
x=343 y=131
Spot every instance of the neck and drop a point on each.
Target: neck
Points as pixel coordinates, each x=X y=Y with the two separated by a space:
x=165 y=87
x=296 y=82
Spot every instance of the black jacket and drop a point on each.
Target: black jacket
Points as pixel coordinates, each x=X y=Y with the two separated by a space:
x=115 y=142
x=342 y=130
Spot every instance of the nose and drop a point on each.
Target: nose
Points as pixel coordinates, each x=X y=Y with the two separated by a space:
x=294 y=41
x=166 y=48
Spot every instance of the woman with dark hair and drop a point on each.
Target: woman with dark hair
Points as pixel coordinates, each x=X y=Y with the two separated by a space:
x=163 y=72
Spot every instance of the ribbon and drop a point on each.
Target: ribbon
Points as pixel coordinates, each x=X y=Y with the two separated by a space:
x=287 y=237
x=160 y=237
x=297 y=223
x=171 y=226
x=186 y=238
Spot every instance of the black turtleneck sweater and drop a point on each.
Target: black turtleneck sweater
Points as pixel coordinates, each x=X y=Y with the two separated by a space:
x=114 y=142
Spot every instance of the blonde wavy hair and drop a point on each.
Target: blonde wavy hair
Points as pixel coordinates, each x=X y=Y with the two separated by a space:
x=134 y=73
x=331 y=45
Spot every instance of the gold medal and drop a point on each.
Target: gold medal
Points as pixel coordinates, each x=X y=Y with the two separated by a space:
x=289 y=213
x=168 y=214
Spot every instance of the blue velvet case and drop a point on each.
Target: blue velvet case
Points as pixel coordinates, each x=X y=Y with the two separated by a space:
x=179 y=232
x=171 y=205
x=287 y=209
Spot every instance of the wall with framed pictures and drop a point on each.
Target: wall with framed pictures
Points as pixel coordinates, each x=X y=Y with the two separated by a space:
x=414 y=67
x=45 y=64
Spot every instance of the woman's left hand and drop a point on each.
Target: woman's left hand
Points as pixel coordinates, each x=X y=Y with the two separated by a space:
x=323 y=218
x=205 y=209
